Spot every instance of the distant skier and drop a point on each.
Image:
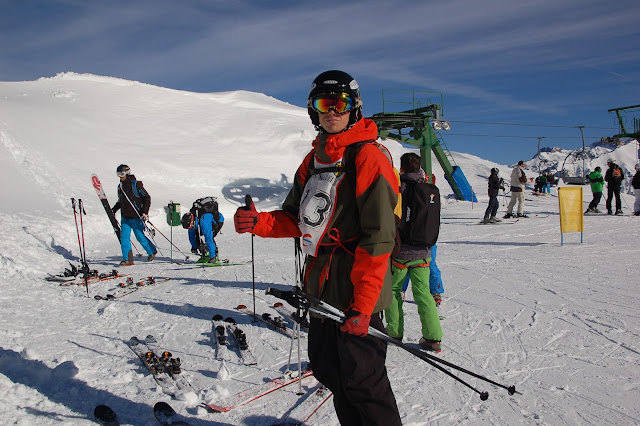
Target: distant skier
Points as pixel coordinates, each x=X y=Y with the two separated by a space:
x=614 y=178
x=135 y=202
x=550 y=182
x=636 y=190
x=495 y=185
x=541 y=181
x=597 y=183
x=518 y=181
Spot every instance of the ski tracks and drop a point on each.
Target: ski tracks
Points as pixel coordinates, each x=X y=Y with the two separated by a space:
x=34 y=166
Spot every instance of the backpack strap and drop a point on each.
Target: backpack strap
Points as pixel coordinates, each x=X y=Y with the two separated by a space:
x=348 y=165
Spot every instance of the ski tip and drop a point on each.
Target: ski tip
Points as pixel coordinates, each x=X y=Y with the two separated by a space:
x=162 y=406
x=217 y=317
x=105 y=415
x=230 y=320
x=241 y=307
x=214 y=408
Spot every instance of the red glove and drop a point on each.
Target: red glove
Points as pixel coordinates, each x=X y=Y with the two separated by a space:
x=246 y=217
x=356 y=323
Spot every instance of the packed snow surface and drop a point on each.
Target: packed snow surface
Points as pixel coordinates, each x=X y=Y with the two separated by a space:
x=560 y=322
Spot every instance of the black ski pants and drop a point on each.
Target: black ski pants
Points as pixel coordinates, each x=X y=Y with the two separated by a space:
x=492 y=208
x=611 y=191
x=596 y=199
x=353 y=368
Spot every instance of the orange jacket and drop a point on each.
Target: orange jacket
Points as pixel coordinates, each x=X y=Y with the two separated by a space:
x=364 y=214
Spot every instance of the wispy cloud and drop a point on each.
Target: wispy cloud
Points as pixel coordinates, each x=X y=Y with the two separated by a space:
x=501 y=52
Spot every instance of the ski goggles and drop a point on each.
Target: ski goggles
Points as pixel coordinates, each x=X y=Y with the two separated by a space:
x=122 y=174
x=341 y=103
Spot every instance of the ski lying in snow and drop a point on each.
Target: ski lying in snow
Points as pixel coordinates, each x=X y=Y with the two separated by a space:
x=309 y=405
x=220 y=338
x=131 y=286
x=502 y=222
x=246 y=356
x=166 y=415
x=222 y=262
x=276 y=323
x=94 y=279
x=291 y=315
x=254 y=393
x=154 y=365
x=62 y=279
x=105 y=416
x=172 y=365
x=67 y=275
x=105 y=203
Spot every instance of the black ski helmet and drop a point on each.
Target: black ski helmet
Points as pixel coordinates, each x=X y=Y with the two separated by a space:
x=188 y=221
x=335 y=81
x=495 y=170
x=123 y=168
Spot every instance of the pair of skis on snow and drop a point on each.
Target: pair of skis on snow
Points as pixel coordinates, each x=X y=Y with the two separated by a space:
x=222 y=329
x=130 y=286
x=308 y=404
x=162 y=411
x=165 y=369
x=225 y=327
x=95 y=278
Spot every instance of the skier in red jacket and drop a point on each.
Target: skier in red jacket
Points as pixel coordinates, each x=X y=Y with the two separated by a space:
x=347 y=236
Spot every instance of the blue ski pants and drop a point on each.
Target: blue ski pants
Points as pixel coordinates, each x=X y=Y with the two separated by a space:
x=135 y=225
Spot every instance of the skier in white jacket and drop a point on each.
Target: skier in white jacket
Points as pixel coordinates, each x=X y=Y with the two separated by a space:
x=518 y=180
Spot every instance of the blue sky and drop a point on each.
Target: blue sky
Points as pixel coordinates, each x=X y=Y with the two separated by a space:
x=549 y=64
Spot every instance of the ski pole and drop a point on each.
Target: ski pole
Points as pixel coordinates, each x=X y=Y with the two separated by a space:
x=297 y=299
x=248 y=202
x=75 y=217
x=171 y=242
x=85 y=265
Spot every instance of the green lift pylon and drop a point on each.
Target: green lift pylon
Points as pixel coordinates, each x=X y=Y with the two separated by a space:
x=623 y=129
x=419 y=123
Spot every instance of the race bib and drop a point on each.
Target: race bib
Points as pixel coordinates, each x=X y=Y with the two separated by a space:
x=317 y=206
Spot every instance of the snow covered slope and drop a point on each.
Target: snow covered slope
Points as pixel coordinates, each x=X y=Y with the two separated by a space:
x=559 y=322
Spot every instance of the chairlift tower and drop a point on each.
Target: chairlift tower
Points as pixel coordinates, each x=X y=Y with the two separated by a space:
x=623 y=130
x=416 y=124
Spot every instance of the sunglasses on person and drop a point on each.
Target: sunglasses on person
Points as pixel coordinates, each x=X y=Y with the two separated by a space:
x=341 y=103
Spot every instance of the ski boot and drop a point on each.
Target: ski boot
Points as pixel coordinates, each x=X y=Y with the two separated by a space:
x=430 y=345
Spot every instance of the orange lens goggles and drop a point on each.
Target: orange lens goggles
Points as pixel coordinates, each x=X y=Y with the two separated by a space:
x=341 y=103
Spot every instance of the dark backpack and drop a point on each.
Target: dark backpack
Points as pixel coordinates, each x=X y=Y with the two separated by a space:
x=206 y=205
x=420 y=223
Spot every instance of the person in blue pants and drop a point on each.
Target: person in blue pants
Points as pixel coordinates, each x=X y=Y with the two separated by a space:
x=435 y=279
x=134 y=202
x=208 y=227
